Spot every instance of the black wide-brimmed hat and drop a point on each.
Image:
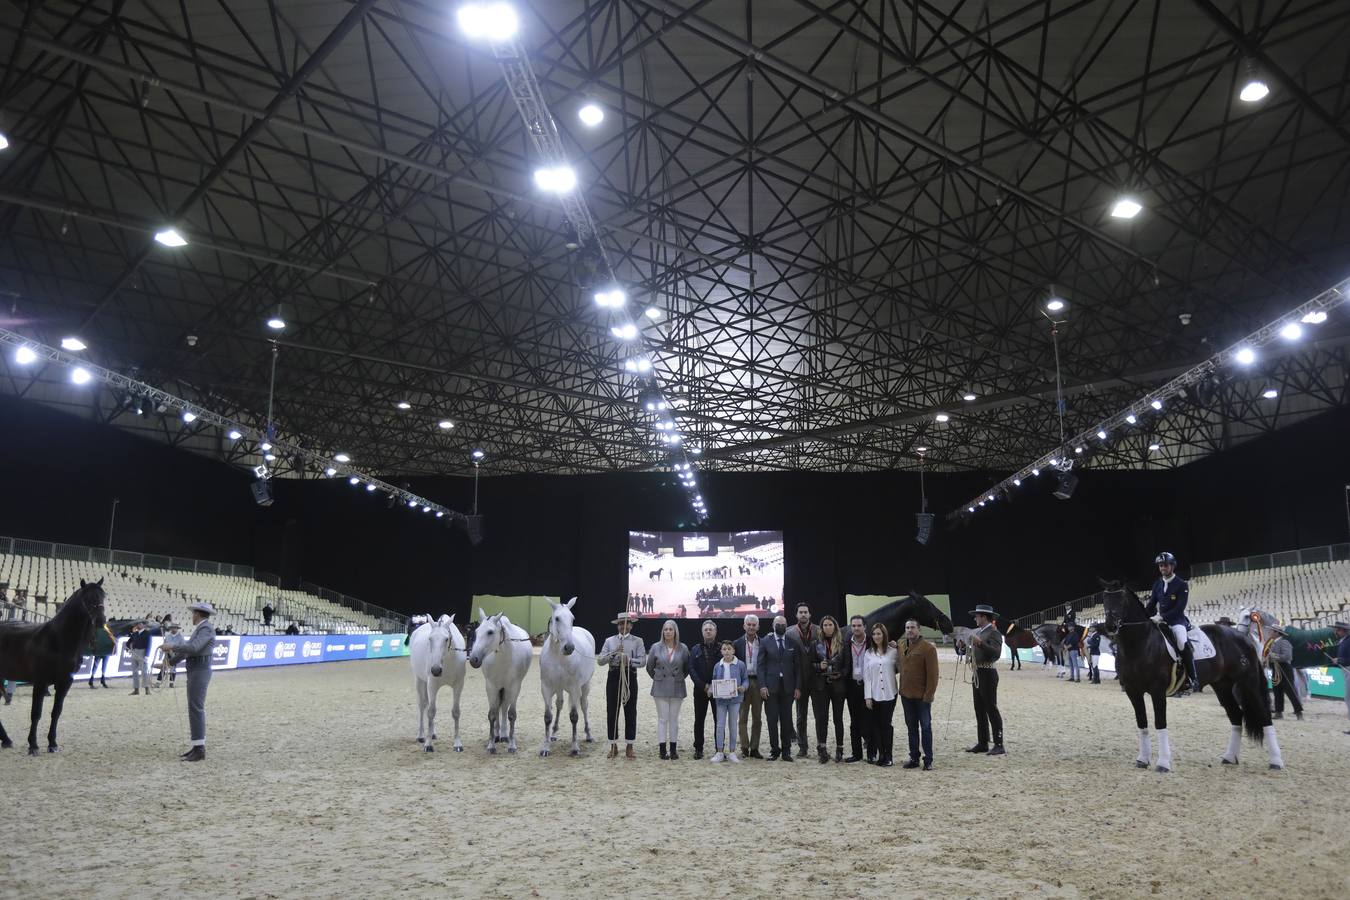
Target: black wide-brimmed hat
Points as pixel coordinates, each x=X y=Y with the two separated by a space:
x=985 y=609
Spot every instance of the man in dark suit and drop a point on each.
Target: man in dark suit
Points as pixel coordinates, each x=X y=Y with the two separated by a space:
x=805 y=634
x=777 y=667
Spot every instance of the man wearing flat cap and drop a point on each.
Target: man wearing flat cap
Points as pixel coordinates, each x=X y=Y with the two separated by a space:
x=623 y=653
x=196 y=652
x=986 y=646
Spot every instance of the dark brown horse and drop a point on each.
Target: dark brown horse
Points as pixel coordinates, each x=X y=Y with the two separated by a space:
x=916 y=606
x=49 y=653
x=1146 y=667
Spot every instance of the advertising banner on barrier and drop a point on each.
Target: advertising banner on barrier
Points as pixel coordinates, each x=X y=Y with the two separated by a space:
x=252 y=651
x=1326 y=681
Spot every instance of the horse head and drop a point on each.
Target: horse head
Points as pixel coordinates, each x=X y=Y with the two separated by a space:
x=490 y=637
x=1121 y=606
x=91 y=597
x=926 y=613
x=560 y=625
x=438 y=640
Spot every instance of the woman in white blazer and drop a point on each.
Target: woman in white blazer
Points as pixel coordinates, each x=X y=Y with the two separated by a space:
x=880 y=664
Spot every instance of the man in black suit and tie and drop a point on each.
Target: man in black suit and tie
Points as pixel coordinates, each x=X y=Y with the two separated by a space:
x=777 y=667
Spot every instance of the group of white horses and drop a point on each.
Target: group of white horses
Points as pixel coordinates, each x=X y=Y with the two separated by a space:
x=502 y=651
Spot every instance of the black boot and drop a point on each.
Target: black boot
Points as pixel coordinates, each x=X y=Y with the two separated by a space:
x=1188 y=656
x=673 y=754
x=196 y=754
x=823 y=754
x=664 y=753
x=839 y=753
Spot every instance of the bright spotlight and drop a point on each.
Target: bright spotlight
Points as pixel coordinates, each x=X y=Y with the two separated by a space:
x=80 y=375
x=4 y=141
x=968 y=396
x=1153 y=447
x=990 y=498
x=478 y=454
x=330 y=471
x=235 y=435
x=696 y=451
x=942 y=417
x=412 y=504
x=653 y=313
x=264 y=446
x=73 y=344
x=970 y=509
x=1270 y=393
x=1292 y=332
x=1101 y=434
x=1126 y=208
x=625 y=332
x=1156 y=404
x=1017 y=482
x=403 y=404
x=426 y=509
x=1035 y=473
x=1245 y=356
x=370 y=487
x=1132 y=418
x=276 y=323
x=611 y=299
x=189 y=416
x=640 y=364
x=342 y=458
x=1055 y=304
x=1077 y=449
x=270 y=457
x=495 y=22
x=1255 y=89
x=445 y=424
x=591 y=114
x=920 y=449
x=1316 y=317
x=557 y=180
x=440 y=513
x=24 y=355
x=170 y=237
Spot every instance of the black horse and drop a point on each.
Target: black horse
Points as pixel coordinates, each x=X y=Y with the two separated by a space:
x=1146 y=667
x=49 y=653
x=916 y=606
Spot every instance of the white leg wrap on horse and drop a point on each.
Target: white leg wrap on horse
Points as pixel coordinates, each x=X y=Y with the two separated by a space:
x=1144 y=747
x=1164 y=749
x=1234 y=744
x=1273 y=743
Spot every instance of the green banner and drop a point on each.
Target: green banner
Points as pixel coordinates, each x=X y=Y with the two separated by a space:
x=530 y=613
x=1326 y=681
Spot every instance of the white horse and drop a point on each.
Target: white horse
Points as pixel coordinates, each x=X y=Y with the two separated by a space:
x=566 y=665
x=503 y=652
x=437 y=653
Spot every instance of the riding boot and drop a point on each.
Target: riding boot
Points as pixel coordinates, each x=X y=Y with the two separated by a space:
x=673 y=753
x=665 y=754
x=1188 y=657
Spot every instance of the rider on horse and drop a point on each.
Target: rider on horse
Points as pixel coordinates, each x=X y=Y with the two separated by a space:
x=1168 y=605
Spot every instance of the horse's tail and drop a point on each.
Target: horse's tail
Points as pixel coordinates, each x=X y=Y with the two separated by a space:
x=1250 y=688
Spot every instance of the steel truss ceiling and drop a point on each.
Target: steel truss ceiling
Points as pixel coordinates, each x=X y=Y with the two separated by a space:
x=847 y=213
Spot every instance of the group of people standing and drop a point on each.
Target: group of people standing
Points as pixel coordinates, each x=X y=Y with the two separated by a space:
x=802 y=671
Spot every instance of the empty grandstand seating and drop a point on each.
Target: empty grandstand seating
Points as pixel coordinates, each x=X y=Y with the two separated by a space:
x=36 y=585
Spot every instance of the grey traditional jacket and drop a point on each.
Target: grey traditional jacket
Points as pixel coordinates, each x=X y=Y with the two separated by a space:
x=197 y=650
x=615 y=644
x=669 y=670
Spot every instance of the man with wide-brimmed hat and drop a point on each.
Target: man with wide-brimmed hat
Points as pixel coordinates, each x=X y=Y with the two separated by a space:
x=623 y=653
x=196 y=652
x=1282 y=665
x=986 y=646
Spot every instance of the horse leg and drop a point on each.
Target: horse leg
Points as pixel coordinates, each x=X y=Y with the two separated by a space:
x=432 y=688
x=39 y=692
x=1141 y=720
x=511 y=717
x=1224 y=691
x=421 y=687
x=574 y=716
x=494 y=706
x=1160 y=722
x=585 y=711
x=58 y=702
x=557 y=715
x=5 y=742
x=548 y=719
x=454 y=714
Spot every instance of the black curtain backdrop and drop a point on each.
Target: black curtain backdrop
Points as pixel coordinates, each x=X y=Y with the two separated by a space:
x=567 y=535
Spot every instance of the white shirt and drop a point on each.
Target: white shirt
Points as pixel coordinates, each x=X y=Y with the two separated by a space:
x=879 y=675
x=751 y=648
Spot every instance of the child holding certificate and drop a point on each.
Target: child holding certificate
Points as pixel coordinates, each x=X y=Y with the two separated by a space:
x=729 y=682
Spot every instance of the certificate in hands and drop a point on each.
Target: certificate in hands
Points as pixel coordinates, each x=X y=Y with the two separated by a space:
x=724 y=688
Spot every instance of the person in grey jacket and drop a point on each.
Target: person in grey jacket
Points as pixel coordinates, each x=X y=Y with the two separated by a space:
x=1282 y=662
x=668 y=666
x=196 y=651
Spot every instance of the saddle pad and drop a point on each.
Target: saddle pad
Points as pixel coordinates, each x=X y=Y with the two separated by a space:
x=1201 y=645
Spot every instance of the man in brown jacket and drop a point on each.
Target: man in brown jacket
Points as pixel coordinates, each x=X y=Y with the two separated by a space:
x=918 y=686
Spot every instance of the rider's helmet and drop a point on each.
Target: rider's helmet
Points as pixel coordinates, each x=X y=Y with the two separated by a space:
x=1165 y=557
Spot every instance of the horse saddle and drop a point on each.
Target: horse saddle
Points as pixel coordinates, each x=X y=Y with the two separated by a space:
x=1201 y=646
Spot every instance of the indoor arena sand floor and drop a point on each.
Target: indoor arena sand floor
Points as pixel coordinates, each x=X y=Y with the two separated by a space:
x=316 y=787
